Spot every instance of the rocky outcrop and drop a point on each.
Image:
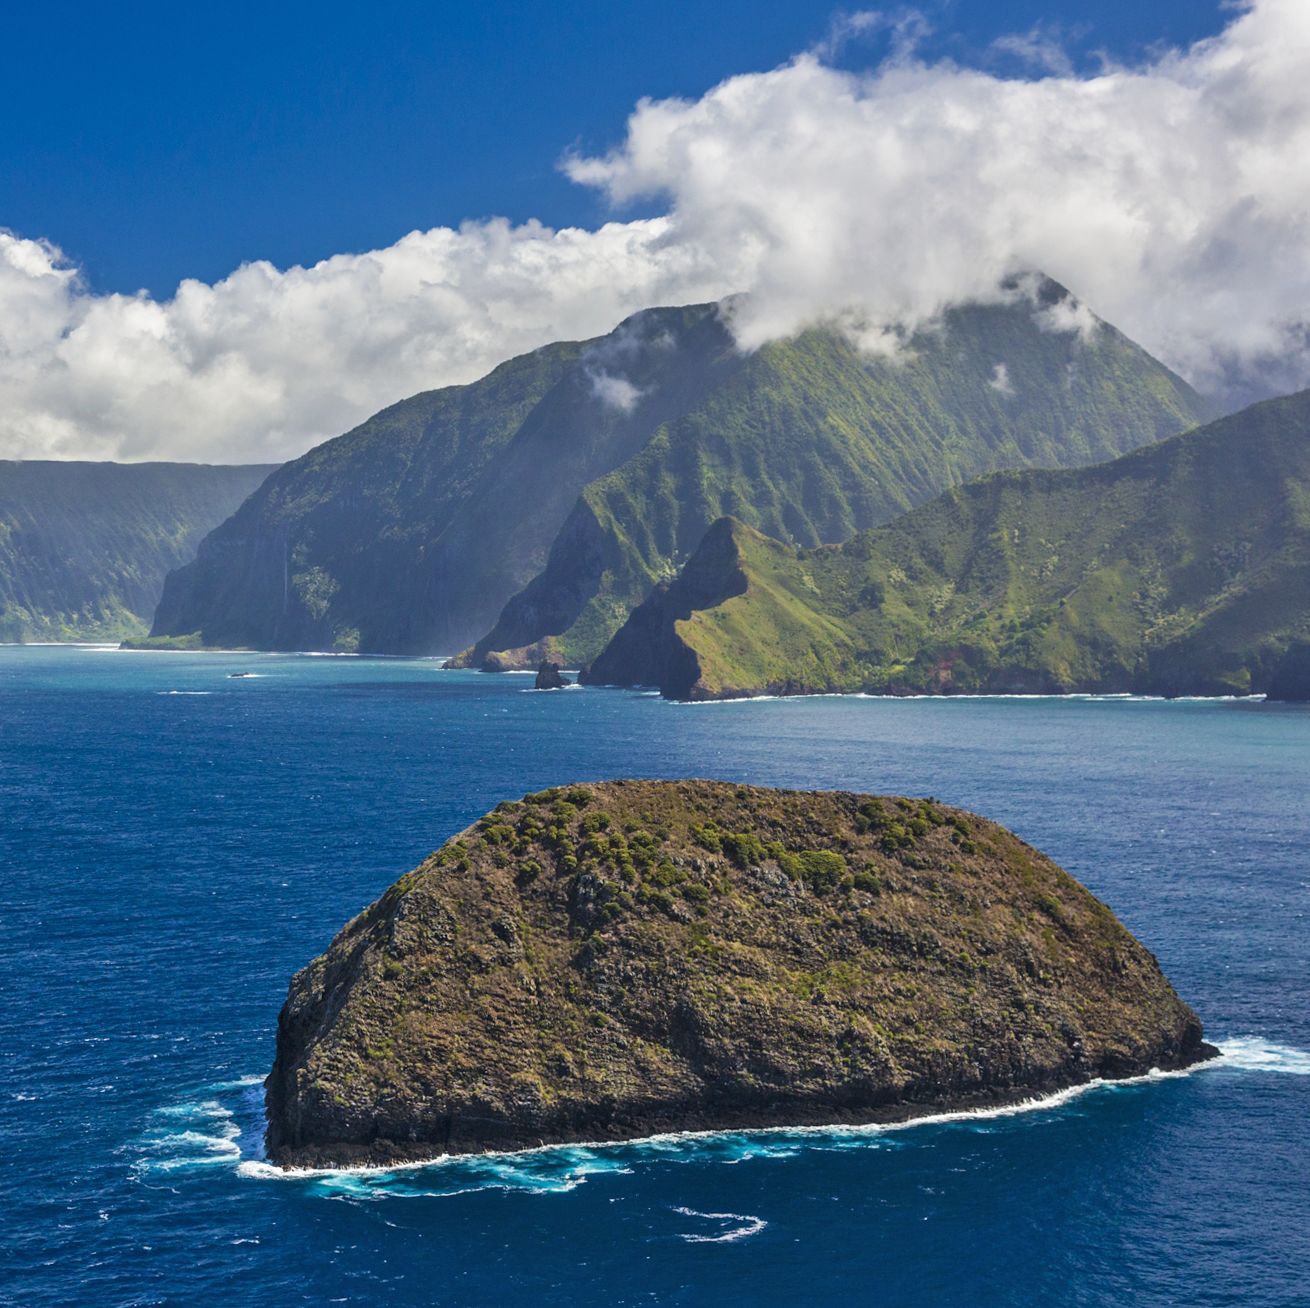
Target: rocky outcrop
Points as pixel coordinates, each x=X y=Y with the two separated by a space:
x=1290 y=678
x=648 y=650
x=549 y=678
x=609 y=961
x=511 y=660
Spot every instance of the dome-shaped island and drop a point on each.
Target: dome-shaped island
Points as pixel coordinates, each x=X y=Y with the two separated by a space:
x=609 y=961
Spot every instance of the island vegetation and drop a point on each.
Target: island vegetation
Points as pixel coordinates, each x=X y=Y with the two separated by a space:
x=606 y=961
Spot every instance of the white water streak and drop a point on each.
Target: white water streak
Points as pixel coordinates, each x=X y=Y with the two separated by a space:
x=746 y=1226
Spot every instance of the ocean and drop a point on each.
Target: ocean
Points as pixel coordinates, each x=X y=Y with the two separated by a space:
x=176 y=841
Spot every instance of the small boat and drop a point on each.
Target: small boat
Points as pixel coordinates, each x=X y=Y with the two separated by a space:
x=234 y=675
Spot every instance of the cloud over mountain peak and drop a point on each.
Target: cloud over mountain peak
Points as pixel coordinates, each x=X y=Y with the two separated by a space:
x=1172 y=195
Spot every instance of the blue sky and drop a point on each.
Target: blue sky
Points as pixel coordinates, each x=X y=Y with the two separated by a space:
x=158 y=141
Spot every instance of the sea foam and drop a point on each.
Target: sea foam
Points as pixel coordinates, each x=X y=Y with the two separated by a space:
x=743 y=1226
x=226 y=1127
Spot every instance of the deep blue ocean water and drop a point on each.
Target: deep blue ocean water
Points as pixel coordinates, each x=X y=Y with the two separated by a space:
x=174 y=843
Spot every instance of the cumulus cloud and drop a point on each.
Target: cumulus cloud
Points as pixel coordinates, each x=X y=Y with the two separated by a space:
x=264 y=363
x=1172 y=195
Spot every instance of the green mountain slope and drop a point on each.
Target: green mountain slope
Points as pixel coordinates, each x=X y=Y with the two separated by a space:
x=85 y=547
x=1183 y=568
x=408 y=534
x=811 y=440
x=599 y=465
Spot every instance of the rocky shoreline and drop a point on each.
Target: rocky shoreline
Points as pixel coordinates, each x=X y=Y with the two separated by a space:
x=393 y=1153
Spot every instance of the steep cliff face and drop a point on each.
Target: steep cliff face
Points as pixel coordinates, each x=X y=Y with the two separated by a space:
x=408 y=534
x=85 y=547
x=544 y=500
x=811 y=441
x=1181 y=569
x=612 y=960
x=1289 y=675
x=648 y=650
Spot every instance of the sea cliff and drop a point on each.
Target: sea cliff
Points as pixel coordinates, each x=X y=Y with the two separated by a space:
x=1179 y=569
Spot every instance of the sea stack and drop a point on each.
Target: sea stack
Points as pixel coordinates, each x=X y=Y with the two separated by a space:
x=549 y=678
x=609 y=961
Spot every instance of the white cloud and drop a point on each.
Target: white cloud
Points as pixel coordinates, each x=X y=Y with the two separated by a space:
x=265 y=363
x=1000 y=380
x=905 y=27
x=618 y=392
x=1173 y=196
x=1039 y=48
x=1068 y=315
x=606 y=362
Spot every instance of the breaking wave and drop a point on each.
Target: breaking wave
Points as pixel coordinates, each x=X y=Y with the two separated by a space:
x=1252 y=1054
x=1089 y=697
x=224 y=1125
x=219 y=1127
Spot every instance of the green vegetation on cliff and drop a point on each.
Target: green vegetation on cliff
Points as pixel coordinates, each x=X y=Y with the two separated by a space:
x=811 y=440
x=408 y=534
x=612 y=960
x=1183 y=568
x=85 y=547
x=555 y=491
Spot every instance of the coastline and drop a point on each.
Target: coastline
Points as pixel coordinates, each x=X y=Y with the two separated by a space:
x=891 y=1117
x=745 y=697
x=1087 y=696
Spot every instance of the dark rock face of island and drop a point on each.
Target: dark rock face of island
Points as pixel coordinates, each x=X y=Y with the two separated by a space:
x=550 y=678
x=610 y=961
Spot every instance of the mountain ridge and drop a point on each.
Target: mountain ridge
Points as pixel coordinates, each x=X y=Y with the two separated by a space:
x=85 y=546
x=551 y=493
x=406 y=534
x=1180 y=568
x=812 y=440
